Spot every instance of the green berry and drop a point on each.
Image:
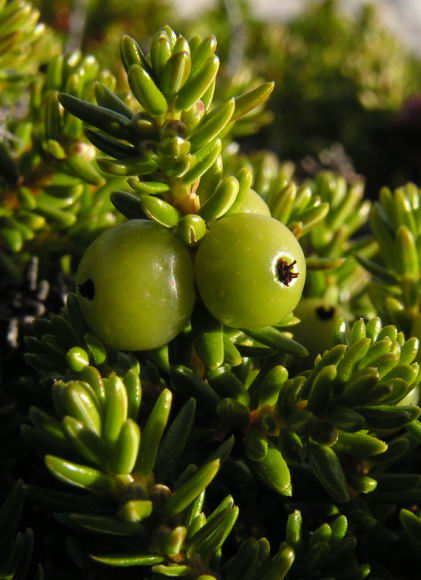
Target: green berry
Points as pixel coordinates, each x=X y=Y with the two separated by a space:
x=254 y=203
x=135 y=286
x=250 y=270
x=318 y=320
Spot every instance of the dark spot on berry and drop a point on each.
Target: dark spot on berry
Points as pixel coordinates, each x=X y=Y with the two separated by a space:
x=325 y=313
x=284 y=271
x=87 y=289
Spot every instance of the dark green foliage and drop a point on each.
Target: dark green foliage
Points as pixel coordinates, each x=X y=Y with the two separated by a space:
x=17 y=547
x=228 y=453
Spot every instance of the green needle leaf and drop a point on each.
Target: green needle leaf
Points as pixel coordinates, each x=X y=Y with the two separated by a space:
x=77 y=358
x=161 y=51
x=86 y=442
x=252 y=99
x=127 y=166
x=110 y=146
x=329 y=472
x=126 y=450
x=273 y=471
x=387 y=417
x=125 y=560
x=316 y=556
x=116 y=408
x=79 y=475
x=339 y=527
x=294 y=529
x=101 y=524
x=274 y=338
x=174 y=441
x=152 y=433
x=109 y=121
x=212 y=125
x=187 y=382
x=159 y=211
x=412 y=526
x=277 y=568
x=175 y=73
x=109 y=100
x=173 y=570
x=408 y=262
x=127 y=204
x=146 y=91
x=208 y=337
x=219 y=202
x=271 y=385
x=321 y=389
x=131 y=53
x=79 y=401
x=359 y=444
x=204 y=161
x=202 y=53
x=188 y=491
x=245 y=181
x=197 y=84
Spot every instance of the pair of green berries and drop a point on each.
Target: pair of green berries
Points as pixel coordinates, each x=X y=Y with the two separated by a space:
x=137 y=282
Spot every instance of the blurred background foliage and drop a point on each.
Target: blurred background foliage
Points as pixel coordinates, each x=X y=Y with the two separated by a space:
x=347 y=89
